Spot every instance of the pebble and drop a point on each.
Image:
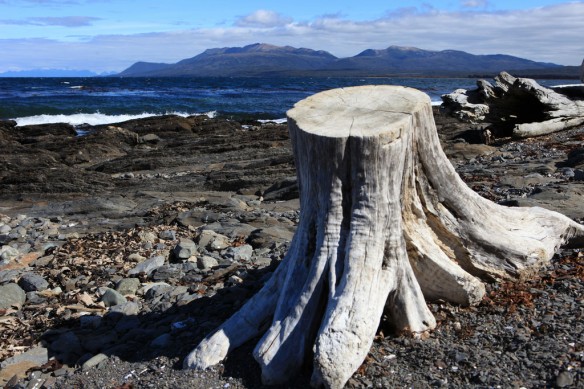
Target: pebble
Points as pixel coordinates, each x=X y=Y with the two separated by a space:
x=240 y=253
x=90 y=321
x=11 y=295
x=128 y=286
x=128 y=308
x=32 y=282
x=185 y=249
x=206 y=263
x=111 y=297
x=37 y=355
x=167 y=235
x=212 y=241
x=94 y=361
x=161 y=341
x=8 y=254
x=564 y=379
x=148 y=266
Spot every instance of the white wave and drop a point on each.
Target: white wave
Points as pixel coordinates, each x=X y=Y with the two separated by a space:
x=277 y=121
x=567 y=86
x=95 y=119
x=436 y=103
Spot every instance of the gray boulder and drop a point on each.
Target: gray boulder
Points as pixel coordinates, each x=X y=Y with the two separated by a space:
x=11 y=295
x=148 y=266
x=33 y=282
x=37 y=355
x=185 y=249
x=128 y=286
x=111 y=297
x=212 y=240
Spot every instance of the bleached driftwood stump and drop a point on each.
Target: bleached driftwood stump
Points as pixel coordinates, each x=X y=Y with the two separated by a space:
x=385 y=224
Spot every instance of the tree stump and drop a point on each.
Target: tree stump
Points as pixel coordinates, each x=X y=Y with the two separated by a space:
x=385 y=224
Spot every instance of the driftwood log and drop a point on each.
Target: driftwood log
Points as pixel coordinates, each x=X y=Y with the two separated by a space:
x=385 y=224
x=517 y=107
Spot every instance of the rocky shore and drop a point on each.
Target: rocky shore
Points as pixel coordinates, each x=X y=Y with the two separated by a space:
x=123 y=247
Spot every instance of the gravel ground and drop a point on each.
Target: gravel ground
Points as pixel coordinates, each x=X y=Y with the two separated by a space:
x=527 y=334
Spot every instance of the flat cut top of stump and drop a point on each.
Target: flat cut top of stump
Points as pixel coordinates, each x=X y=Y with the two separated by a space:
x=362 y=111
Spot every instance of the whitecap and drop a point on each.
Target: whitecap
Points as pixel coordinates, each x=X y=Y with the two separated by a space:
x=95 y=119
x=277 y=121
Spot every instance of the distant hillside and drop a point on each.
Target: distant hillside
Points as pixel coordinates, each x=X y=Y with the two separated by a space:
x=268 y=60
x=253 y=60
x=411 y=60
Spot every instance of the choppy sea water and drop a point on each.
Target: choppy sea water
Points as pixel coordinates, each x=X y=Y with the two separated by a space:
x=103 y=100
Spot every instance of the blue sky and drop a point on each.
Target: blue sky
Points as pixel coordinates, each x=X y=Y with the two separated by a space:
x=110 y=35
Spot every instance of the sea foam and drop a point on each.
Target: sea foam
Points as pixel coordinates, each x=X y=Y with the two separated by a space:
x=95 y=119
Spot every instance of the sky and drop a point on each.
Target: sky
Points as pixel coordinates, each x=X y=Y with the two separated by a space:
x=111 y=35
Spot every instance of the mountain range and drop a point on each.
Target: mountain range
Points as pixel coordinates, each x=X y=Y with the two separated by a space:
x=262 y=59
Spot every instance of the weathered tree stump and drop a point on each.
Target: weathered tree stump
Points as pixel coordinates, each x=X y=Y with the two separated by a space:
x=386 y=223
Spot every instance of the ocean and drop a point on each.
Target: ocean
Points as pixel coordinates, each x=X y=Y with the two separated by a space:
x=104 y=100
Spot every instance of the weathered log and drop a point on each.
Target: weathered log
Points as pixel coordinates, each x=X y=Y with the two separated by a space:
x=386 y=223
x=519 y=107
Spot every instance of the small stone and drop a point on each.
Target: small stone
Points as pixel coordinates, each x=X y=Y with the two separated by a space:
x=167 y=272
x=267 y=237
x=167 y=235
x=127 y=309
x=67 y=346
x=150 y=138
x=11 y=275
x=147 y=236
x=8 y=254
x=212 y=240
x=90 y=321
x=94 y=361
x=11 y=295
x=126 y=323
x=262 y=262
x=564 y=379
x=33 y=282
x=235 y=280
x=206 y=262
x=136 y=258
x=35 y=380
x=128 y=286
x=157 y=290
x=185 y=249
x=240 y=253
x=111 y=297
x=42 y=261
x=36 y=355
x=161 y=341
x=148 y=266
x=35 y=298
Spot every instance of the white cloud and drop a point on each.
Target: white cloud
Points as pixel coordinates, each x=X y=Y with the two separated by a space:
x=475 y=3
x=64 y=21
x=263 y=18
x=548 y=34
